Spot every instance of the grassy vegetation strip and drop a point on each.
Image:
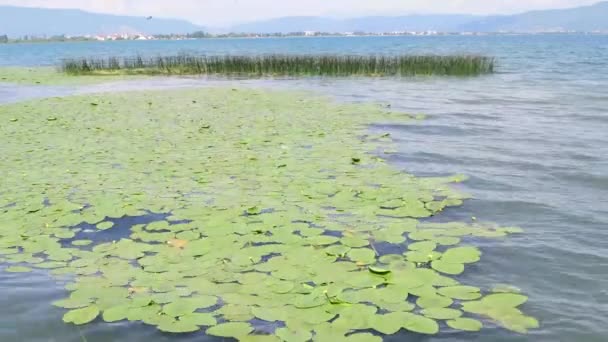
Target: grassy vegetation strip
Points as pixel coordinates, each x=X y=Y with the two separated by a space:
x=50 y=76
x=286 y=65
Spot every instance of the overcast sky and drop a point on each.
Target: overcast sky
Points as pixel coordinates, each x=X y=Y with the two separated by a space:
x=226 y=12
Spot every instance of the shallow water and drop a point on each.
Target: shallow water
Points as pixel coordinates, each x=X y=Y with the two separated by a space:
x=532 y=138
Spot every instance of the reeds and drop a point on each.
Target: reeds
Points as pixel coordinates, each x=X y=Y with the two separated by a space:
x=284 y=65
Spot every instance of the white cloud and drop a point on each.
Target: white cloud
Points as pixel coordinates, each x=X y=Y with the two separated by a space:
x=224 y=12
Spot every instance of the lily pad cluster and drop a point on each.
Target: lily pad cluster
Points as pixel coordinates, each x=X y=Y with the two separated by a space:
x=248 y=207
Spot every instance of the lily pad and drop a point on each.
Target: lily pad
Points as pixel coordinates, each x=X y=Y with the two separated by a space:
x=434 y=301
x=73 y=303
x=199 y=319
x=460 y=292
x=290 y=335
x=82 y=242
x=465 y=324
x=423 y=247
x=105 y=225
x=379 y=270
x=441 y=313
x=447 y=267
x=115 y=314
x=232 y=329
x=185 y=306
x=389 y=324
x=178 y=327
x=461 y=255
x=421 y=324
x=81 y=316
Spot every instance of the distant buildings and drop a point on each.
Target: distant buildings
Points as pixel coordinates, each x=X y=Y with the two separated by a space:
x=123 y=36
x=202 y=35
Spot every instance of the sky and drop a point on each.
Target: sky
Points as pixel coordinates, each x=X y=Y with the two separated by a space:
x=227 y=12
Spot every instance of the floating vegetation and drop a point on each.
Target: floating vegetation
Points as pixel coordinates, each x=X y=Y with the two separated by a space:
x=261 y=216
x=284 y=65
x=49 y=76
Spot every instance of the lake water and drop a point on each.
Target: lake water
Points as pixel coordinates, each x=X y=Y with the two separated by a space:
x=533 y=138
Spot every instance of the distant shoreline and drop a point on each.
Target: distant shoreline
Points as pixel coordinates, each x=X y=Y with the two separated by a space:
x=275 y=36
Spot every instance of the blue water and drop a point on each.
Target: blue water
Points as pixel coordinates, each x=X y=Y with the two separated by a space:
x=533 y=138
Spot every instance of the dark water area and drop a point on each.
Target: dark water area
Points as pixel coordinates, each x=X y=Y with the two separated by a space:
x=533 y=139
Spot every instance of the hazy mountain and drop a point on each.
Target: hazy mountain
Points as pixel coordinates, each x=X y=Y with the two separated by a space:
x=20 y=21
x=588 y=18
x=365 y=24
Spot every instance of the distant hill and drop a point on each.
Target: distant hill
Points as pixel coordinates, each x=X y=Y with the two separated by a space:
x=376 y=24
x=19 y=21
x=588 y=18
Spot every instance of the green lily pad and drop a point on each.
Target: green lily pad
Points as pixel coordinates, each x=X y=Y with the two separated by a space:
x=379 y=270
x=178 y=327
x=362 y=255
x=421 y=325
x=253 y=211
x=185 y=306
x=389 y=324
x=441 y=313
x=421 y=257
x=423 y=247
x=322 y=240
x=434 y=301
x=446 y=240
x=518 y=322
x=232 y=329
x=460 y=292
x=309 y=301
x=447 y=267
x=73 y=303
x=354 y=241
x=465 y=324
x=82 y=242
x=461 y=255
x=81 y=316
x=105 y=225
x=504 y=300
x=290 y=335
x=337 y=250
x=199 y=319
x=115 y=314
x=270 y=314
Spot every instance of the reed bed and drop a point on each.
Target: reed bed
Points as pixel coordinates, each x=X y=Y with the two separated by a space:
x=284 y=65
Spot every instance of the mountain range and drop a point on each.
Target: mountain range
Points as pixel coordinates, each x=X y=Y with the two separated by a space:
x=20 y=21
x=584 y=19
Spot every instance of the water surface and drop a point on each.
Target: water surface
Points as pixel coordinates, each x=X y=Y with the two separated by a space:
x=532 y=138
